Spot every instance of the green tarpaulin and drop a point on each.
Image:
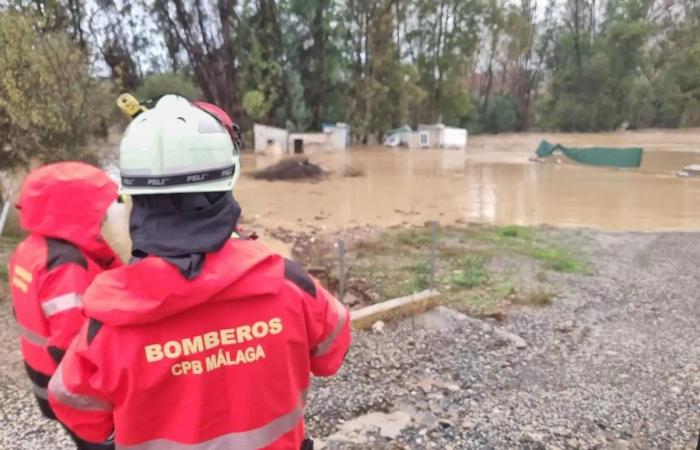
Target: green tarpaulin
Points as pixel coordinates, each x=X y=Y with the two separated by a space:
x=595 y=156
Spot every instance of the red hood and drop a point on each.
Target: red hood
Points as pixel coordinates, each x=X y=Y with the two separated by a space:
x=152 y=289
x=67 y=200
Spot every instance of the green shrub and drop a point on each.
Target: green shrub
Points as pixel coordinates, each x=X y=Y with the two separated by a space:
x=501 y=115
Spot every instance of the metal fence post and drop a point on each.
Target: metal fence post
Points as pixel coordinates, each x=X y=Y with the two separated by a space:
x=433 y=252
x=341 y=269
x=3 y=215
x=5 y=210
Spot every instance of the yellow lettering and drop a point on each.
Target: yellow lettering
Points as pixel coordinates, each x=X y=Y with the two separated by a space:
x=194 y=345
x=153 y=353
x=221 y=360
x=176 y=369
x=275 y=325
x=211 y=340
x=259 y=352
x=260 y=329
x=243 y=334
x=250 y=354
x=172 y=349
x=228 y=336
x=210 y=362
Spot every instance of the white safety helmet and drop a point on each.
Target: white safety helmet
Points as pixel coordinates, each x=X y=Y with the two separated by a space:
x=177 y=147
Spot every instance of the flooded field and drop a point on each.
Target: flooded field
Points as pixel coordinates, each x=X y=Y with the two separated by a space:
x=491 y=182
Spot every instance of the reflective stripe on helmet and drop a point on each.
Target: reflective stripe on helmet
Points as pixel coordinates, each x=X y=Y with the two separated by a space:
x=325 y=345
x=180 y=179
x=61 y=303
x=241 y=440
x=73 y=400
x=31 y=336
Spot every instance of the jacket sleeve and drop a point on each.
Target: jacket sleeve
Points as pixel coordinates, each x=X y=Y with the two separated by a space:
x=329 y=331
x=76 y=393
x=60 y=297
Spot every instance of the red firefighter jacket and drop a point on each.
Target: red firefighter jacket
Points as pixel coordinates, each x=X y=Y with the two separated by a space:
x=61 y=206
x=222 y=361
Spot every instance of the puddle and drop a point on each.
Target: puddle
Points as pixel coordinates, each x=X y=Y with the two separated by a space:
x=491 y=182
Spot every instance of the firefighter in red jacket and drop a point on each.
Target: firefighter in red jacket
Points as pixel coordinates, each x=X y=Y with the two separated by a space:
x=62 y=207
x=207 y=340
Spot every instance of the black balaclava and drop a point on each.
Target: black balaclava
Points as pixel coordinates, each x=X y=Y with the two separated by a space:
x=182 y=228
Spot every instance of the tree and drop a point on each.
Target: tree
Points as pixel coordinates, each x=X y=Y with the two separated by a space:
x=204 y=32
x=255 y=105
x=50 y=105
x=260 y=72
x=312 y=43
x=168 y=83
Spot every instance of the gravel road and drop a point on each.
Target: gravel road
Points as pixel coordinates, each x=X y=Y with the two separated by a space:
x=613 y=363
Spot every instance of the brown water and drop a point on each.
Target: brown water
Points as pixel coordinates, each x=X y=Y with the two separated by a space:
x=491 y=182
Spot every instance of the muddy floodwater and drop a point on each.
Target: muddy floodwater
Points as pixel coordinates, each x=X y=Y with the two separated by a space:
x=492 y=182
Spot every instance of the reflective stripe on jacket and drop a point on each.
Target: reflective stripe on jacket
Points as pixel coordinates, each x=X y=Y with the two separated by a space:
x=220 y=361
x=61 y=206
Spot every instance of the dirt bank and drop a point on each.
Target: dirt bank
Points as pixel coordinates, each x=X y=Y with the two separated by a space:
x=613 y=362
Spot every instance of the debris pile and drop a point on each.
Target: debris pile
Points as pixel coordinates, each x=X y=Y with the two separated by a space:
x=290 y=169
x=692 y=170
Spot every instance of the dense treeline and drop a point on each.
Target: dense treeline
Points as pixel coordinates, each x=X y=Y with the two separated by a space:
x=489 y=65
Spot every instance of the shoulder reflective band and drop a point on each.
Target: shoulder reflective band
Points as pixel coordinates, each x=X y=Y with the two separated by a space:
x=73 y=400
x=179 y=179
x=61 y=303
x=325 y=345
x=254 y=439
x=31 y=336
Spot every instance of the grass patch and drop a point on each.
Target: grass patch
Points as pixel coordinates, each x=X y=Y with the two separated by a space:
x=414 y=237
x=395 y=263
x=540 y=297
x=528 y=242
x=504 y=288
x=421 y=276
x=515 y=231
x=560 y=260
x=472 y=272
x=7 y=245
